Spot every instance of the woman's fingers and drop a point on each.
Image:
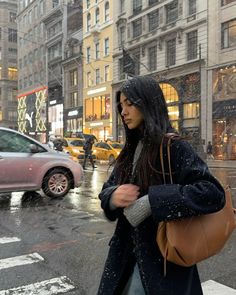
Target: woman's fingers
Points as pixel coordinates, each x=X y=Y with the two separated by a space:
x=125 y=195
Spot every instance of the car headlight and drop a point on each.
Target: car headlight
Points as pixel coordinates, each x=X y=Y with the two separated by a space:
x=75 y=151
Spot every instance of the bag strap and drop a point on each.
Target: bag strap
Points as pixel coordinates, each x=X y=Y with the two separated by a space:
x=169 y=136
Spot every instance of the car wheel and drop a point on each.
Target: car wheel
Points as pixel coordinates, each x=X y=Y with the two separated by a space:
x=111 y=159
x=57 y=183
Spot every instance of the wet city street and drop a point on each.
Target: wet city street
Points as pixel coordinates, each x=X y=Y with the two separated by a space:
x=63 y=242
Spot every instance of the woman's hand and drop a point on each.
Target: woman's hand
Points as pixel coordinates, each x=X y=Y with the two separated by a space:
x=125 y=195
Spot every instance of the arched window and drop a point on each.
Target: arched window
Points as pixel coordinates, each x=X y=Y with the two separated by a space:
x=107 y=12
x=172 y=100
x=97 y=16
x=88 y=22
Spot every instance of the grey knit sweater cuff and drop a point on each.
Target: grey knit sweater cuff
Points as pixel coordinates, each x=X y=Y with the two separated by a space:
x=137 y=212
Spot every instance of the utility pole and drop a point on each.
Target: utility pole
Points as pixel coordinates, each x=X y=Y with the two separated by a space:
x=200 y=149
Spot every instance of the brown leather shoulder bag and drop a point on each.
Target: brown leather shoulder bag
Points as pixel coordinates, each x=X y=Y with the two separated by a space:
x=188 y=241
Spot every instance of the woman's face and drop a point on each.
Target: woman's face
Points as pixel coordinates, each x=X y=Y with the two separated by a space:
x=133 y=118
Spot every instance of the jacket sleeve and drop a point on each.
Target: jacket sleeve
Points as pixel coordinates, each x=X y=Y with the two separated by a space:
x=194 y=192
x=105 y=195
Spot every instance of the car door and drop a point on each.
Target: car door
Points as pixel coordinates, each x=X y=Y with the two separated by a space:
x=103 y=151
x=18 y=164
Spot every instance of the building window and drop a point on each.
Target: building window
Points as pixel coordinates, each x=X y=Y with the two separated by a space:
x=97 y=52
x=97 y=72
x=97 y=16
x=89 y=81
x=12 y=74
x=153 y=20
x=88 y=54
x=88 y=22
x=170 y=52
x=12 y=17
x=191 y=115
x=54 y=51
x=55 y=3
x=12 y=35
x=192 y=7
x=107 y=73
x=169 y=92
x=122 y=35
x=106 y=46
x=137 y=27
x=172 y=12
x=225 y=2
x=73 y=101
x=122 y=6
x=107 y=11
x=192 y=45
x=88 y=3
x=73 y=78
x=191 y=110
x=228 y=34
x=41 y=7
x=152 y=2
x=137 y=6
x=152 y=58
x=12 y=51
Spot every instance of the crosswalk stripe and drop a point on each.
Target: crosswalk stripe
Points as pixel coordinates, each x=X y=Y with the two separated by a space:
x=48 y=287
x=20 y=260
x=5 y=240
x=213 y=288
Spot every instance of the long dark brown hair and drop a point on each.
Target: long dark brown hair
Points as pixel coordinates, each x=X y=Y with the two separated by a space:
x=145 y=93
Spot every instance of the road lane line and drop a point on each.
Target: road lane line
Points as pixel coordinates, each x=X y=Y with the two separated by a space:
x=20 y=260
x=5 y=240
x=213 y=288
x=48 y=287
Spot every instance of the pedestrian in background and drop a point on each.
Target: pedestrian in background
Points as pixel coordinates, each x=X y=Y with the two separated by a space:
x=88 y=153
x=210 y=151
x=50 y=141
x=136 y=195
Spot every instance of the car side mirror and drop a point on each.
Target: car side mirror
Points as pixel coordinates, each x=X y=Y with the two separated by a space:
x=33 y=148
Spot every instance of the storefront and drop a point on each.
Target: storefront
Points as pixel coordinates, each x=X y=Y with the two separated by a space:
x=32 y=113
x=224 y=113
x=73 y=121
x=97 y=115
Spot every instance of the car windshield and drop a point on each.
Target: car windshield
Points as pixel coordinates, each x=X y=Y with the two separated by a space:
x=77 y=142
x=117 y=145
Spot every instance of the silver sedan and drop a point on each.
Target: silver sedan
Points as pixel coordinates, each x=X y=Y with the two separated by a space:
x=28 y=165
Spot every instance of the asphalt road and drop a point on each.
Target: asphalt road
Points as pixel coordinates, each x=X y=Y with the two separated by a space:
x=69 y=241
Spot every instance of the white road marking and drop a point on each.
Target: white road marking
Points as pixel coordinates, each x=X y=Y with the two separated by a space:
x=48 y=287
x=5 y=240
x=213 y=288
x=20 y=260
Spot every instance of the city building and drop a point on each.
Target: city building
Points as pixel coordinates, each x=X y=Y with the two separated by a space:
x=167 y=40
x=221 y=71
x=55 y=34
x=8 y=64
x=32 y=78
x=98 y=67
x=72 y=69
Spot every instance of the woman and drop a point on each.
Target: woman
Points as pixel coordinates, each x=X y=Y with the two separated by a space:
x=136 y=196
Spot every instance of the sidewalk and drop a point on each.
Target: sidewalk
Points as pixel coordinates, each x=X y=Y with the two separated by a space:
x=221 y=163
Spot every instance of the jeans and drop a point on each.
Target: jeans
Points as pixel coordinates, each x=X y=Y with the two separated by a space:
x=134 y=285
